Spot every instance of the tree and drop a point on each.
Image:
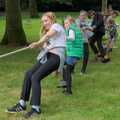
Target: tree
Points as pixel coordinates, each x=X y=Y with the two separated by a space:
x=104 y=6
x=14 y=33
x=33 y=8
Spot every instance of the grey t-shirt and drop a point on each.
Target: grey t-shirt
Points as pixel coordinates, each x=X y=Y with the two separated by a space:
x=58 y=44
x=83 y=25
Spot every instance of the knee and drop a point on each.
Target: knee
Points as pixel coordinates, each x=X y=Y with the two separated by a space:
x=35 y=78
x=28 y=73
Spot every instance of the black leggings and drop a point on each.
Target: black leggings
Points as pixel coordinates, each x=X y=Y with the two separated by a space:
x=97 y=38
x=85 y=57
x=67 y=76
x=34 y=76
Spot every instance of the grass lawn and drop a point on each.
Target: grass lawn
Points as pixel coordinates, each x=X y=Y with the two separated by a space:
x=96 y=95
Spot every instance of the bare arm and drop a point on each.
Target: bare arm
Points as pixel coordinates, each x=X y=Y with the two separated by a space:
x=71 y=35
x=44 y=39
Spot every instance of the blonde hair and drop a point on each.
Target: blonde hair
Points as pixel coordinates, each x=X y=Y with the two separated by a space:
x=70 y=19
x=83 y=12
x=52 y=17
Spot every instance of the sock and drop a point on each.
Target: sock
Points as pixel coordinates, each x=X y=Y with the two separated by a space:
x=37 y=108
x=22 y=102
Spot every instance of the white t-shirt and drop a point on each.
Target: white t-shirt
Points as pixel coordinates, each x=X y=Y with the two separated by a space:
x=58 y=40
x=60 y=37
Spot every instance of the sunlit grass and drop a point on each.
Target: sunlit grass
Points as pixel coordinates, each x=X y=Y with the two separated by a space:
x=96 y=96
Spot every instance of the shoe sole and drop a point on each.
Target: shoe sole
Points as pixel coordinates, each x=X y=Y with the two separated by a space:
x=10 y=112
x=107 y=61
x=13 y=112
x=61 y=86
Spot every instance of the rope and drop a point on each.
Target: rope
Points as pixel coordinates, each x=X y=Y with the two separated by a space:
x=13 y=52
x=22 y=49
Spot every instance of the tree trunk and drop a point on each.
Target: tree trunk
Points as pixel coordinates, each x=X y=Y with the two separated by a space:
x=33 y=9
x=104 y=6
x=14 y=33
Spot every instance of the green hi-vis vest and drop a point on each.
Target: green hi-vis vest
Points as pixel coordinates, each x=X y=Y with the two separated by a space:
x=75 y=47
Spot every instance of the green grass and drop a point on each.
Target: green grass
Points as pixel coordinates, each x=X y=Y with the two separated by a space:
x=96 y=96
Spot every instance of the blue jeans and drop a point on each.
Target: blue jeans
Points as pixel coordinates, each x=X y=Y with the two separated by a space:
x=71 y=60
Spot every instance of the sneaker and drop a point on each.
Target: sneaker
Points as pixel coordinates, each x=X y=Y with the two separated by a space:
x=62 y=84
x=99 y=56
x=105 y=60
x=32 y=113
x=67 y=93
x=17 y=108
x=82 y=73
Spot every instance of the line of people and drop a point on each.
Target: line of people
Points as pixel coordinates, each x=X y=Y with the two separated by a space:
x=62 y=47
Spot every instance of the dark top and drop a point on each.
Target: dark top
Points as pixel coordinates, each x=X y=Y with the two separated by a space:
x=98 y=24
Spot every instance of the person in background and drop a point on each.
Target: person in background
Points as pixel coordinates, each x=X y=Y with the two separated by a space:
x=74 y=51
x=111 y=30
x=98 y=29
x=84 y=25
x=110 y=18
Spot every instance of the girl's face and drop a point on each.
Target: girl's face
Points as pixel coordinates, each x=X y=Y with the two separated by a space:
x=47 y=22
x=83 y=16
x=66 y=24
